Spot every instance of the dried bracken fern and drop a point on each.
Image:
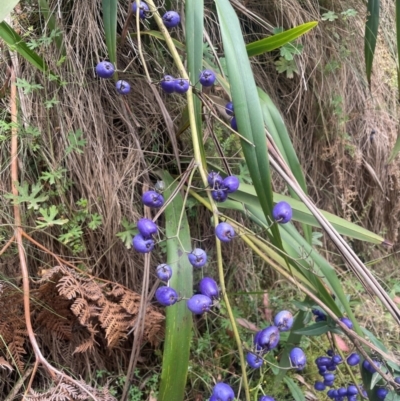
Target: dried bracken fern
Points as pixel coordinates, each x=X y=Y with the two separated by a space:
x=67 y=391
x=98 y=308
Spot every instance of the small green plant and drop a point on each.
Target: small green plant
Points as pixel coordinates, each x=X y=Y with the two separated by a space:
x=128 y=233
x=27 y=87
x=76 y=142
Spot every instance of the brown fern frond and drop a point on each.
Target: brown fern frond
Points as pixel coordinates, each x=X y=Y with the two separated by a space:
x=69 y=287
x=116 y=291
x=80 y=308
x=61 y=270
x=131 y=302
x=65 y=390
x=92 y=290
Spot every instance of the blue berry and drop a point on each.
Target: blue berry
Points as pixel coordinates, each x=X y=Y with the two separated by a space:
x=254 y=361
x=329 y=377
x=381 y=393
x=282 y=212
x=198 y=257
x=164 y=272
x=123 y=88
x=347 y=322
x=152 y=199
x=181 y=85
x=323 y=361
x=231 y=183
x=147 y=227
x=352 y=390
x=319 y=386
x=224 y=232
x=234 y=124
x=397 y=379
x=141 y=244
x=214 y=180
x=353 y=359
x=298 y=358
x=223 y=392
x=143 y=9
x=268 y=338
x=207 y=78
x=168 y=84
x=105 y=69
x=370 y=368
x=284 y=320
x=336 y=359
x=219 y=195
x=166 y=296
x=342 y=392
x=266 y=398
x=199 y=303
x=209 y=287
x=171 y=19
x=229 y=109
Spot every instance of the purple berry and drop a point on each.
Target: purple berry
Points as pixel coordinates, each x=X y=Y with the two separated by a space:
x=199 y=304
x=266 y=398
x=168 y=84
x=336 y=359
x=352 y=390
x=209 y=287
x=329 y=377
x=328 y=383
x=342 y=392
x=153 y=199
x=353 y=359
x=219 y=195
x=282 y=212
x=330 y=352
x=381 y=393
x=123 y=88
x=234 y=124
x=254 y=361
x=397 y=379
x=143 y=9
x=347 y=322
x=284 y=320
x=214 y=180
x=370 y=368
x=164 y=272
x=224 y=232
x=181 y=85
x=166 y=296
x=229 y=109
x=323 y=361
x=223 y=392
x=322 y=370
x=319 y=386
x=332 y=393
x=171 y=19
x=105 y=69
x=298 y=358
x=147 y=227
x=198 y=257
x=268 y=338
x=207 y=78
x=141 y=244
x=231 y=183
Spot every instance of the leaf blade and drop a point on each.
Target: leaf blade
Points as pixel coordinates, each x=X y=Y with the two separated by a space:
x=371 y=33
x=110 y=27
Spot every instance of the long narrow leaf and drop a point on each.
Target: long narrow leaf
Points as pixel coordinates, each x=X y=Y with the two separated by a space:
x=274 y=42
x=194 y=50
x=247 y=107
x=15 y=42
x=6 y=6
x=371 y=33
x=110 y=27
x=178 y=331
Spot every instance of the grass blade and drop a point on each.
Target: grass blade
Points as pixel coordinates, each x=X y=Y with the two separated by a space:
x=6 y=6
x=15 y=42
x=178 y=331
x=274 y=42
x=247 y=107
x=194 y=13
x=371 y=32
x=110 y=27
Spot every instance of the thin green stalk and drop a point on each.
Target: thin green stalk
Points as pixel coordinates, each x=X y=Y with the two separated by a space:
x=203 y=172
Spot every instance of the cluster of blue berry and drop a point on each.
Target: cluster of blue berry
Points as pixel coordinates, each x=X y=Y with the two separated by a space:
x=221 y=187
x=105 y=69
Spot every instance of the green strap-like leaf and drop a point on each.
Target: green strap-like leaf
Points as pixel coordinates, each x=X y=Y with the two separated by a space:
x=247 y=108
x=15 y=42
x=371 y=33
x=110 y=27
x=6 y=6
x=178 y=331
x=274 y=42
